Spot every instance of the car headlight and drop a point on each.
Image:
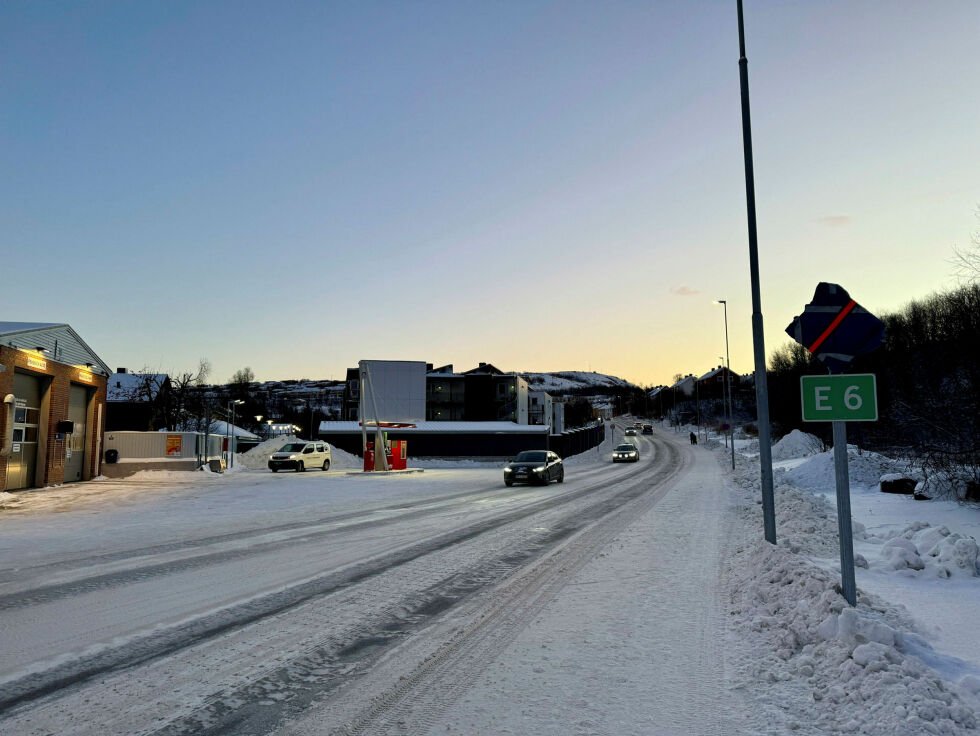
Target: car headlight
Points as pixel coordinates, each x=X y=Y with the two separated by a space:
x=539 y=469
x=508 y=470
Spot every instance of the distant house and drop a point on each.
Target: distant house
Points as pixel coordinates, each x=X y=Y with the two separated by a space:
x=684 y=387
x=539 y=410
x=712 y=384
x=492 y=395
x=137 y=401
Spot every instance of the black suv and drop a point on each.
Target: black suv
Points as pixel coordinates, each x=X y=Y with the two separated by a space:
x=534 y=466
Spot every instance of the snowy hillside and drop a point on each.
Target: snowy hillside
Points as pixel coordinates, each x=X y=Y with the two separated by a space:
x=564 y=382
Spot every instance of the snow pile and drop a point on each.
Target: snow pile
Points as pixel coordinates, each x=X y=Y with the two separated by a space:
x=864 y=469
x=258 y=457
x=809 y=659
x=932 y=549
x=806 y=523
x=857 y=663
x=343 y=460
x=796 y=444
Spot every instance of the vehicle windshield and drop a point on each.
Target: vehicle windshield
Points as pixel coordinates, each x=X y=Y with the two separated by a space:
x=293 y=447
x=625 y=448
x=531 y=456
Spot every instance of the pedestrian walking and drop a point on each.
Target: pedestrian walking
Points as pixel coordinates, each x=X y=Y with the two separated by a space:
x=694 y=438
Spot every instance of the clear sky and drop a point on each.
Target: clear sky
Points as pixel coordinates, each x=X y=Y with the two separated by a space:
x=542 y=185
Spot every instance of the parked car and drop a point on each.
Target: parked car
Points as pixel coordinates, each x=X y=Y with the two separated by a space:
x=647 y=429
x=630 y=432
x=534 y=466
x=626 y=453
x=300 y=456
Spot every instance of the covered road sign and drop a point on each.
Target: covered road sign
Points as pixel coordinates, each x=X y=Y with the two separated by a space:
x=835 y=328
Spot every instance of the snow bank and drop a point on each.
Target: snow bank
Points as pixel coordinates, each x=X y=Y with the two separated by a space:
x=808 y=658
x=865 y=470
x=796 y=444
x=857 y=663
x=258 y=457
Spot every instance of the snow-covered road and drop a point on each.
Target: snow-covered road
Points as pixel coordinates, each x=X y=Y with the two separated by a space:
x=233 y=604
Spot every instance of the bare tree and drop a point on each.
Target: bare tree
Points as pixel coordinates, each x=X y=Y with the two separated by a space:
x=966 y=260
x=242 y=377
x=185 y=389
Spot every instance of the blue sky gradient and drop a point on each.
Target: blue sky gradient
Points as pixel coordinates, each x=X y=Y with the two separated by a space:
x=543 y=185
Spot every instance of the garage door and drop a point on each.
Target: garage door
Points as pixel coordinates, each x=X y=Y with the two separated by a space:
x=75 y=443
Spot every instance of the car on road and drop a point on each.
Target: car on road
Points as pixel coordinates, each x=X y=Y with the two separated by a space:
x=534 y=466
x=299 y=456
x=647 y=429
x=626 y=453
x=630 y=432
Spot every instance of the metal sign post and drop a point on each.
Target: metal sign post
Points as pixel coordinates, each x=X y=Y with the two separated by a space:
x=841 y=399
x=843 y=483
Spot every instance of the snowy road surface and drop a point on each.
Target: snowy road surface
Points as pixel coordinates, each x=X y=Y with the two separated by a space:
x=315 y=602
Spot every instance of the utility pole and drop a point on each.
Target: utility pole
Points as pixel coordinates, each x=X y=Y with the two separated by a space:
x=758 y=342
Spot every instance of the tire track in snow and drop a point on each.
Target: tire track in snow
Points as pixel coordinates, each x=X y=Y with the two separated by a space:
x=52 y=680
x=416 y=702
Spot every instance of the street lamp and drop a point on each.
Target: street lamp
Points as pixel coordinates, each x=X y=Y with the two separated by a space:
x=230 y=429
x=728 y=374
x=268 y=432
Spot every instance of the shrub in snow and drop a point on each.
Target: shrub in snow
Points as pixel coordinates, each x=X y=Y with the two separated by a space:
x=899 y=553
x=896 y=483
x=920 y=546
x=796 y=444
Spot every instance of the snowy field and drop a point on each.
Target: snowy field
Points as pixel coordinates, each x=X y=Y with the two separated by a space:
x=630 y=600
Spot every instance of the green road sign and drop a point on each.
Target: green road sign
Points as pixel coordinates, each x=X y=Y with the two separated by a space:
x=839 y=398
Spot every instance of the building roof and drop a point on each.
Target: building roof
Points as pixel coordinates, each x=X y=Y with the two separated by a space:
x=442 y=428
x=135 y=386
x=60 y=343
x=713 y=373
x=219 y=427
x=488 y=368
x=9 y=328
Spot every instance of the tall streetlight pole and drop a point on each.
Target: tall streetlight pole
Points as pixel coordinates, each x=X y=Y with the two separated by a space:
x=758 y=342
x=724 y=401
x=231 y=429
x=728 y=382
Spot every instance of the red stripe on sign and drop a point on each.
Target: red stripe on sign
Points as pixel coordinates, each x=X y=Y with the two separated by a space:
x=833 y=325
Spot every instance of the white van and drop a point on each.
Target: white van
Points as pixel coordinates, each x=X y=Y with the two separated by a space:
x=300 y=456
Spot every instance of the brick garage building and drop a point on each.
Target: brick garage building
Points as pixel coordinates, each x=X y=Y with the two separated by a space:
x=53 y=389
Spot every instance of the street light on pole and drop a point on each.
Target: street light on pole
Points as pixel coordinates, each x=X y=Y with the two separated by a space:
x=724 y=400
x=231 y=428
x=758 y=340
x=728 y=378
